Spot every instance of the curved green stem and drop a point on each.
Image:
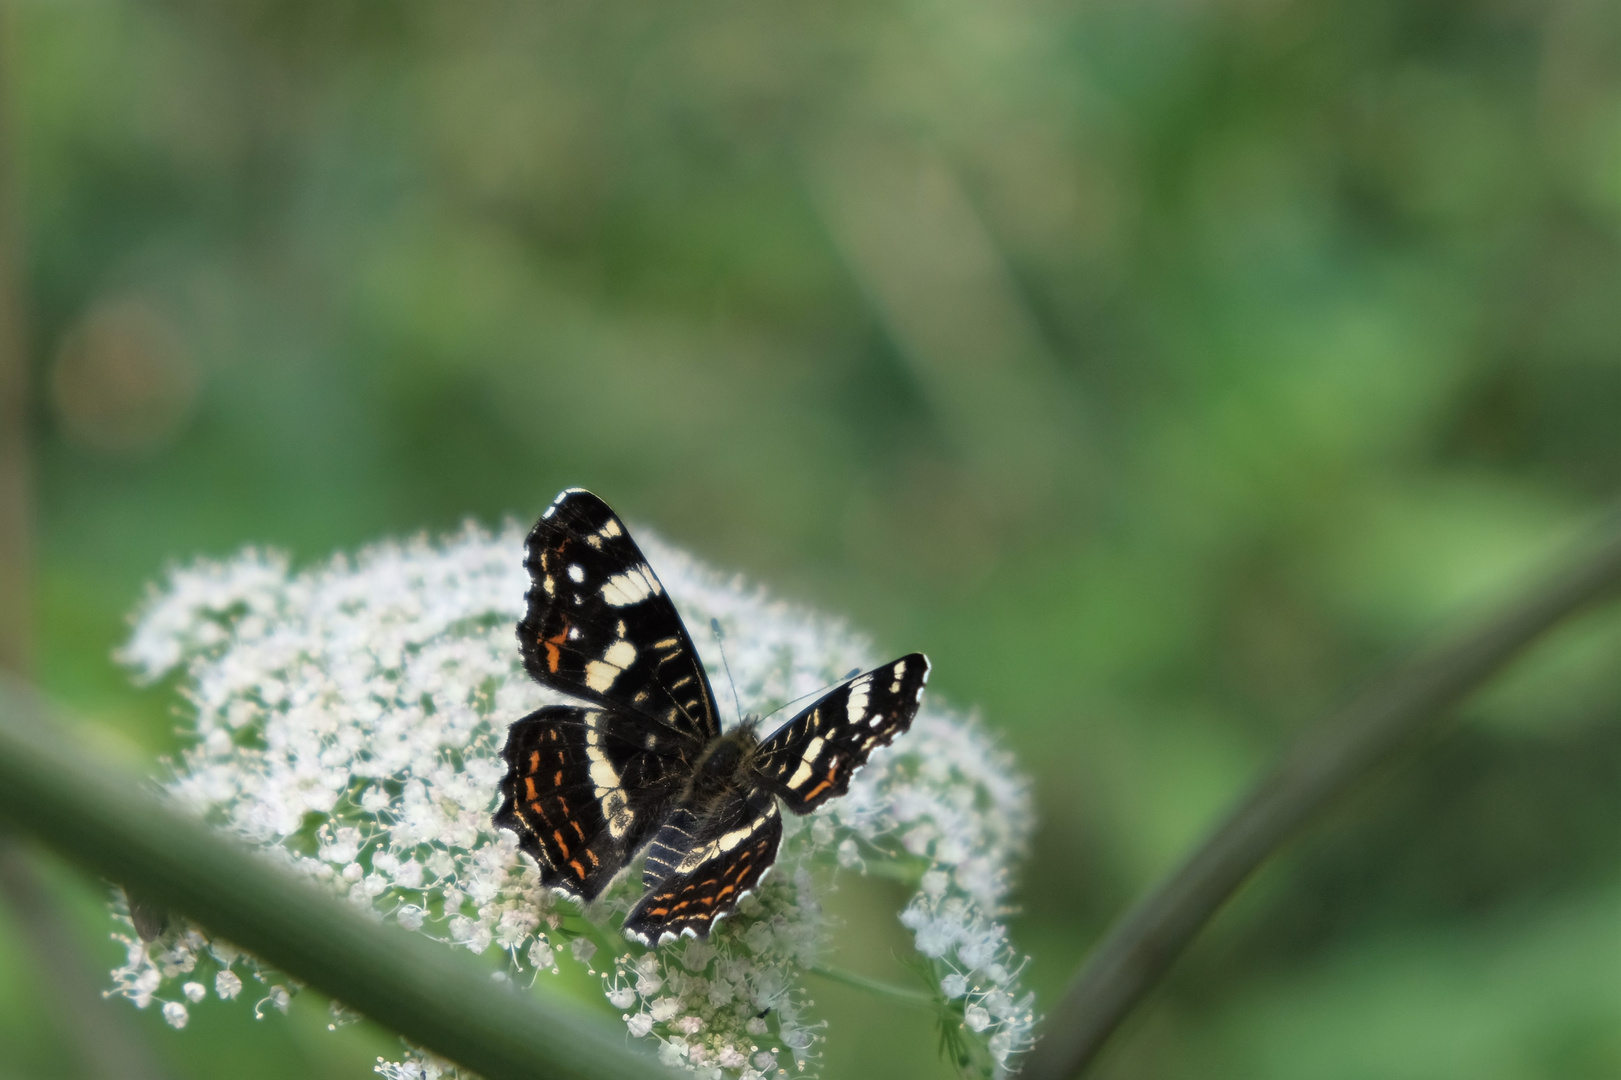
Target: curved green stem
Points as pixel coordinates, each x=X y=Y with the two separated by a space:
x=445 y=1002
x=1370 y=731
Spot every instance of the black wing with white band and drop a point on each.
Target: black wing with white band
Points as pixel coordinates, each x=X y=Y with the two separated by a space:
x=585 y=789
x=599 y=625
x=812 y=758
x=704 y=867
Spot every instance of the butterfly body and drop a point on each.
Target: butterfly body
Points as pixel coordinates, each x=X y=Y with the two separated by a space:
x=725 y=766
x=645 y=765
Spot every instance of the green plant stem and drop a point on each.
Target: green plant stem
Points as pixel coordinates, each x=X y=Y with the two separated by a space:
x=445 y=1002
x=1370 y=731
x=874 y=986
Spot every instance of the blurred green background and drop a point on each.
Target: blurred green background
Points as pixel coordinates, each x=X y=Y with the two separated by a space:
x=1159 y=367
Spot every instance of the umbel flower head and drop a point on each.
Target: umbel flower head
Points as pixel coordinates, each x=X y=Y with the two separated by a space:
x=349 y=718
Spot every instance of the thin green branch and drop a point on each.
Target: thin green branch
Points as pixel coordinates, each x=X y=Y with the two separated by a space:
x=875 y=986
x=448 y=1003
x=1365 y=734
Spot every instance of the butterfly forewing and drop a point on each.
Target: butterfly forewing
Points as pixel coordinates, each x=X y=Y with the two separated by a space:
x=812 y=758
x=599 y=625
x=585 y=789
x=726 y=857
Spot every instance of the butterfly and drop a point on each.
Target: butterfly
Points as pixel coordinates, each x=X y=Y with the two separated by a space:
x=644 y=763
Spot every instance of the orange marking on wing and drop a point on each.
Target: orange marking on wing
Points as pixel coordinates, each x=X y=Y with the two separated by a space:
x=534 y=761
x=832 y=773
x=557 y=834
x=554 y=655
x=658 y=911
x=529 y=785
x=590 y=855
x=557 y=778
x=579 y=831
x=578 y=869
x=724 y=893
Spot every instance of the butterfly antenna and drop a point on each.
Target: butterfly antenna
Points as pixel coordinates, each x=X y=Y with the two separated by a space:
x=806 y=697
x=720 y=640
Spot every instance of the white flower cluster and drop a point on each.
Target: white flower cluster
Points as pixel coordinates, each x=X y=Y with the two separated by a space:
x=350 y=718
x=185 y=951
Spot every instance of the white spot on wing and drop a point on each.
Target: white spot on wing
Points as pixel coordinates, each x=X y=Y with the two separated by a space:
x=631 y=587
x=698 y=856
x=813 y=750
x=856 y=707
x=621 y=654
x=610 y=530
x=576 y=573
x=606 y=780
x=599 y=675
x=734 y=838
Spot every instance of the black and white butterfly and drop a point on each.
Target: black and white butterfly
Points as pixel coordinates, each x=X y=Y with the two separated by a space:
x=645 y=763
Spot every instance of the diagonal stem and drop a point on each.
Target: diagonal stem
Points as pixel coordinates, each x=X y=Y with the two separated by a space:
x=1370 y=731
x=442 y=1001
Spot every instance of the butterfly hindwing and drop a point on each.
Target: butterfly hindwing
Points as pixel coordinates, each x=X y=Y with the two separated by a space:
x=599 y=625
x=584 y=790
x=670 y=845
x=812 y=757
x=726 y=857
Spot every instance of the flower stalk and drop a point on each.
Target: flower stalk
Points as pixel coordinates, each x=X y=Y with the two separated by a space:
x=875 y=986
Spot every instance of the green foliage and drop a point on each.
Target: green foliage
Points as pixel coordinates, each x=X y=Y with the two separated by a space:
x=1155 y=367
